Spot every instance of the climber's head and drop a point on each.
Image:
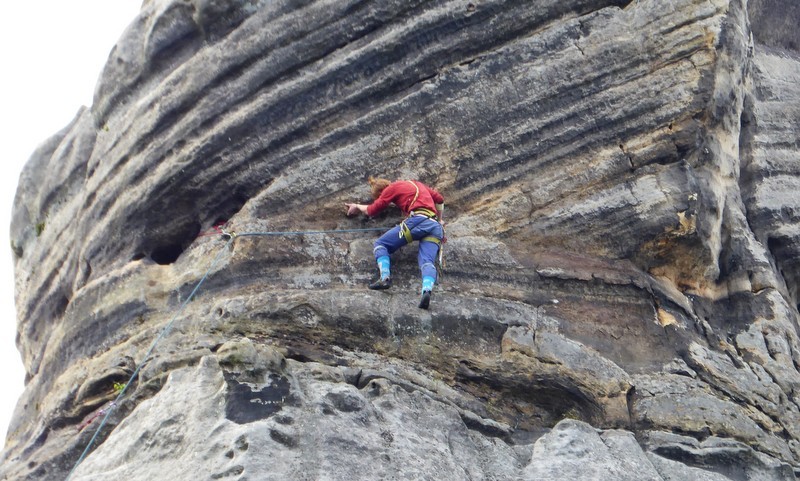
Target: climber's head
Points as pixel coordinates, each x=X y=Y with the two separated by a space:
x=377 y=185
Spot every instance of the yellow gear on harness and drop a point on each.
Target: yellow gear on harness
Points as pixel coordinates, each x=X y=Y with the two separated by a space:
x=433 y=239
x=423 y=211
x=415 y=195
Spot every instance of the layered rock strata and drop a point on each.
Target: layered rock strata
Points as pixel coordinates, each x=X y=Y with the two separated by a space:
x=621 y=284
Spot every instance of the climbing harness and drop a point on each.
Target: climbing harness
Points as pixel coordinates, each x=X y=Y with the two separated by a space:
x=426 y=212
x=405 y=232
x=229 y=237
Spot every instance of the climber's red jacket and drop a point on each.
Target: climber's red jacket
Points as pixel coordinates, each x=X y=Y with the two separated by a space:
x=403 y=193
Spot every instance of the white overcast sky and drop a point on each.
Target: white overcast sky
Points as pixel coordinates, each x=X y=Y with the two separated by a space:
x=52 y=55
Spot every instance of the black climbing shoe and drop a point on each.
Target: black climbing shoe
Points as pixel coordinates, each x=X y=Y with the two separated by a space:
x=425 y=301
x=381 y=284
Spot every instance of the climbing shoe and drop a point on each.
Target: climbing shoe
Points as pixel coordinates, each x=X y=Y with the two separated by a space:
x=381 y=284
x=425 y=301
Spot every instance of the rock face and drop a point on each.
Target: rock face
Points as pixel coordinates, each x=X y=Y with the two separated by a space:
x=620 y=298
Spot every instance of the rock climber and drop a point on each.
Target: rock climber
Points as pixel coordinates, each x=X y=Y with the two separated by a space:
x=422 y=207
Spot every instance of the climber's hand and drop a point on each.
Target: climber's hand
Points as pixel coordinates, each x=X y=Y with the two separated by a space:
x=353 y=209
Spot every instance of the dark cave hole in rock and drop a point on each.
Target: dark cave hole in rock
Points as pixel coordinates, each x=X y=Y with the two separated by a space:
x=171 y=249
x=61 y=304
x=776 y=246
x=166 y=254
x=230 y=206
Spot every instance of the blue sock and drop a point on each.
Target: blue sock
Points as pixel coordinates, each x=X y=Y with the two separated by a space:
x=427 y=283
x=383 y=266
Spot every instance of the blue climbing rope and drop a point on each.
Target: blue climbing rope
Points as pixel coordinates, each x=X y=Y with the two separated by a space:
x=282 y=233
x=231 y=236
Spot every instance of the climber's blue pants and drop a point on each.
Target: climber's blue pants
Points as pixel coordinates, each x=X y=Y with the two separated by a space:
x=420 y=227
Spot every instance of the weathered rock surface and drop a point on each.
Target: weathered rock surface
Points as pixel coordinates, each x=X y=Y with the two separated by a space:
x=621 y=293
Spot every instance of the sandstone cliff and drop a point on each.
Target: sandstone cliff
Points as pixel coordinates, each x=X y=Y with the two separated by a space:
x=621 y=287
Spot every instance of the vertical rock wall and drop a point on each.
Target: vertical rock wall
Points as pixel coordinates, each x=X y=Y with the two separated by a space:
x=621 y=287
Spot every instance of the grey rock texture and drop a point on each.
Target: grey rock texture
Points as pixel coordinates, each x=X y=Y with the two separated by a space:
x=620 y=298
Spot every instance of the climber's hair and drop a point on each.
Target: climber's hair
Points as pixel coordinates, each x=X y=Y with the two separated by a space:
x=377 y=185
